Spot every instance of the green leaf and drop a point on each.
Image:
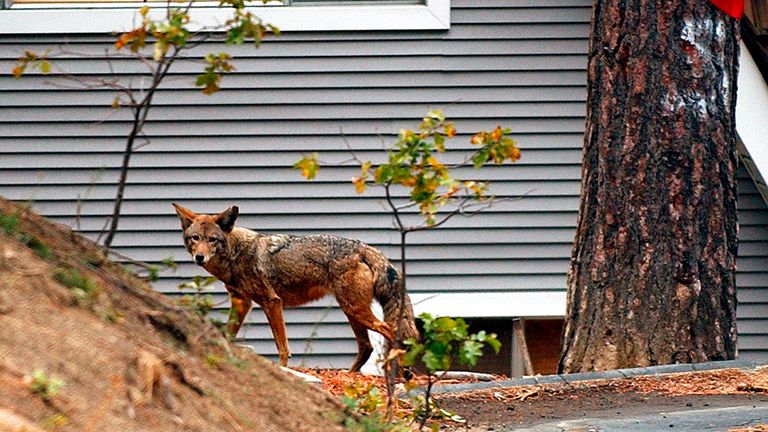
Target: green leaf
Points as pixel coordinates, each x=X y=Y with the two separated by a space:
x=426 y=318
x=170 y=263
x=412 y=354
x=160 y=48
x=154 y=273
x=439 y=142
x=494 y=343
x=435 y=362
x=308 y=165
x=470 y=352
x=433 y=117
x=366 y=166
x=210 y=79
x=383 y=174
x=480 y=158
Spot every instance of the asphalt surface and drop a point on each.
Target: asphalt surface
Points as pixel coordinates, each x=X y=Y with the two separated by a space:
x=710 y=419
x=643 y=419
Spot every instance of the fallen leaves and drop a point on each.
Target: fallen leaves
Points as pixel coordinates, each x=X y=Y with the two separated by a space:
x=755 y=428
x=335 y=380
x=720 y=382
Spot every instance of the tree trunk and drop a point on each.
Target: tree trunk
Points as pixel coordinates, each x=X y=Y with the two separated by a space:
x=652 y=275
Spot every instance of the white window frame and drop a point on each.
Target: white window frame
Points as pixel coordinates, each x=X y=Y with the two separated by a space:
x=73 y=18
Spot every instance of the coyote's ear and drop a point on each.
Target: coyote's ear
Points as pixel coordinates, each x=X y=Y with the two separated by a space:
x=185 y=215
x=226 y=219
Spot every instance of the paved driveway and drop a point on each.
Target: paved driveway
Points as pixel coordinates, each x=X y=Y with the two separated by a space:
x=694 y=420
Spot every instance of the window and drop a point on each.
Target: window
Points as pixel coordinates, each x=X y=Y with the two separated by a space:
x=538 y=315
x=105 y=16
x=542 y=341
x=528 y=346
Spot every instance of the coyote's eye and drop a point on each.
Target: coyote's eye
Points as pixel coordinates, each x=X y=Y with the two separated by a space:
x=196 y=237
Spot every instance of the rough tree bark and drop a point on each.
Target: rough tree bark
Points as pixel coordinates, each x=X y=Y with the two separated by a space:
x=651 y=279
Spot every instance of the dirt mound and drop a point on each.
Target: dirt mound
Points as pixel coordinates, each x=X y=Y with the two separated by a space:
x=86 y=346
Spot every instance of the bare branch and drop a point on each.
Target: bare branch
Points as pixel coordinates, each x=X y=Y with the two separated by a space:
x=146 y=62
x=381 y=141
x=468 y=208
x=425 y=299
x=106 y=118
x=200 y=37
x=187 y=7
x=353 y=160
x=424 y=227
x=87 y=83
x=103 y=229
x=407 y=206
x=126 y=258
x=349 y=147
x=144 y=138
x=139 y=118
x=395 y=211
x=109 y=62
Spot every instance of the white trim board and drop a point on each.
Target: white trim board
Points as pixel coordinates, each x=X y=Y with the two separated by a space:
x=547 y=304
x=752 y=111
x=117 y=17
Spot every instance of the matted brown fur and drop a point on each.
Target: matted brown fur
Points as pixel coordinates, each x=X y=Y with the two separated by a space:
x=277 y=270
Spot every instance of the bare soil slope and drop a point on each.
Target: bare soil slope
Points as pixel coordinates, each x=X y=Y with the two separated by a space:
x=129 y=358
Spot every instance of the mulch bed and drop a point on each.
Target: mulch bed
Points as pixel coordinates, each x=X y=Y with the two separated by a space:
x=489 y=409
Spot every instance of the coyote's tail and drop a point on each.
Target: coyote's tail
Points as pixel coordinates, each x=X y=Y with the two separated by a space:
x=389 y=292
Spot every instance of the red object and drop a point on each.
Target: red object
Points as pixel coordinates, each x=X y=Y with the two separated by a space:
x=734 y=8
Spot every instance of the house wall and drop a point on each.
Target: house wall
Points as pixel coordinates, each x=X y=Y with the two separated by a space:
x=517 y=63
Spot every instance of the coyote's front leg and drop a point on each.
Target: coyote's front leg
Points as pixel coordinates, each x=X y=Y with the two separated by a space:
x=237 y=312
x=273 y=309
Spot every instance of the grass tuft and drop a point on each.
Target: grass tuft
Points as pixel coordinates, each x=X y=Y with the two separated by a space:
x=9 y=224
x=84 y=288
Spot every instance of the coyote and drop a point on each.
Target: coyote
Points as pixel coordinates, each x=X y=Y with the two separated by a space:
x=276 y=270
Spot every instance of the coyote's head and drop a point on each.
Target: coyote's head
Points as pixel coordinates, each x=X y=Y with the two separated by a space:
x=205 y=236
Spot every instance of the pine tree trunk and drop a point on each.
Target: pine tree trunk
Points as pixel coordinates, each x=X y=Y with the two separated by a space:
x=652 y=276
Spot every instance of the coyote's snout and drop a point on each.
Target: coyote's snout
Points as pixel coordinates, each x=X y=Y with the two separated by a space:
x=276 y=270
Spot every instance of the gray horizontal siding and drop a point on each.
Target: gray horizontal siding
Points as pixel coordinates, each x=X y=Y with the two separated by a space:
x=267 y=190
x=267 y=113
x=19 y=99
x=181 y=145
x=449 y=283
x=254 y=160
x=306 y=206
x=519 y=63
x=453 y=81
x=752 y=273
x=239 y=171
x=357 y=124
x=284 y=48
